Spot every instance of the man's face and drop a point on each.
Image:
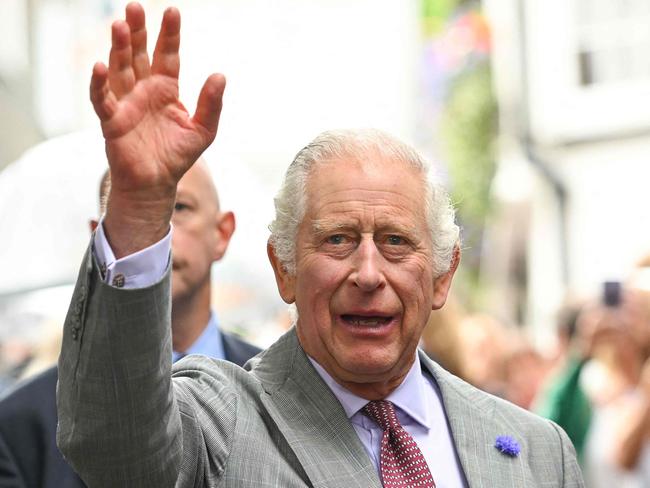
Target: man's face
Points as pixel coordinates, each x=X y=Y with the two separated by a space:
x=201 y=233
x=364 y=284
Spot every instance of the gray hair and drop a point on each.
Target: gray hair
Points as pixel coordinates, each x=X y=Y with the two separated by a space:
x=339 y=145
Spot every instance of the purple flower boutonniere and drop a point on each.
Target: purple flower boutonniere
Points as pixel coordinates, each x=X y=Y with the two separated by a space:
x=507 y=445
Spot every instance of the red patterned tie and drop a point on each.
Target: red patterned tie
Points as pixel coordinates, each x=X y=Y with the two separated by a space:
x=402 y=462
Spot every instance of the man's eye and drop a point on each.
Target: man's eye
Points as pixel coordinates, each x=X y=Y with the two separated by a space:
x=394 y=240
x=179 y=207
x=336 y=239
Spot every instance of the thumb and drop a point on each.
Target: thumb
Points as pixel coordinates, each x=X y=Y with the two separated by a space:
x=208 y=107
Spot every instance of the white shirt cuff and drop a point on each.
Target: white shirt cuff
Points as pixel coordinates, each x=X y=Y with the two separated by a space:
x=138 y=270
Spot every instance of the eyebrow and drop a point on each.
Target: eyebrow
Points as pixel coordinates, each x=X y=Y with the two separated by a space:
x=324 y=226
x=185 y=195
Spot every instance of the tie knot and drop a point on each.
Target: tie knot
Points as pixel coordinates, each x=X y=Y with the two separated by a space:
x=382 y=412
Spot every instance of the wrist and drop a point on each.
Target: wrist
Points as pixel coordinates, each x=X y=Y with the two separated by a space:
x=132 y=223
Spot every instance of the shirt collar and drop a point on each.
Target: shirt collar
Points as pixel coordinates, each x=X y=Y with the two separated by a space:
x=409 y=396
x=209 y=343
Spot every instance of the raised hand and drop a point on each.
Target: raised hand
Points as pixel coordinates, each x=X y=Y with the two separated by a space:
x=151 y=140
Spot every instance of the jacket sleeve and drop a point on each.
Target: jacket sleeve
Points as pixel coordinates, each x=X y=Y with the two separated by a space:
x=118 y=422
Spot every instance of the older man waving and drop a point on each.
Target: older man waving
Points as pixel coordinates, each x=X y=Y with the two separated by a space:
x=363 y=245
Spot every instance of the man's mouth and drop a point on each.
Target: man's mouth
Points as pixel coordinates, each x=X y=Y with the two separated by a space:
x=366 y=320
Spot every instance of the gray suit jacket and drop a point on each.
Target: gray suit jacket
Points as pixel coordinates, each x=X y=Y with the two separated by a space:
x=124 y=420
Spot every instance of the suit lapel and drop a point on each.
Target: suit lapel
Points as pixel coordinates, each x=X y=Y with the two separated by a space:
x=328 y=449
x=474 y=428
x=312 y=420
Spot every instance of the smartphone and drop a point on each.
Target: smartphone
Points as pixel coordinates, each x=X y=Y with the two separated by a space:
x=612 y=291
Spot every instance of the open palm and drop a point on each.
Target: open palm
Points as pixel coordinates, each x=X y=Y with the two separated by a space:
x=151 y=140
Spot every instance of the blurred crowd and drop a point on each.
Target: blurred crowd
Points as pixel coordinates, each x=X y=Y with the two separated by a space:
x=594 y=382
x=23 y=356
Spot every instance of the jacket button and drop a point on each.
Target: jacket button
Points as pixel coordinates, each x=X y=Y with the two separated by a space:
x=75 y=334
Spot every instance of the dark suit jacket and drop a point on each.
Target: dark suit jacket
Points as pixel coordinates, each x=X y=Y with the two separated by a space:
x=29 y=457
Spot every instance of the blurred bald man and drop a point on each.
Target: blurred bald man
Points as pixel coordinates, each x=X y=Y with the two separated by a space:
x=201 y=236
x=28 y=453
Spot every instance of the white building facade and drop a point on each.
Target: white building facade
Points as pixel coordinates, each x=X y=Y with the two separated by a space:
x=573 y=83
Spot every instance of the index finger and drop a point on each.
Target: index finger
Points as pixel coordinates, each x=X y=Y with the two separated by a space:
x=166 y=60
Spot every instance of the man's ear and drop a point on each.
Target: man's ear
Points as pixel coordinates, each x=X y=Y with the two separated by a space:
x=225 y=229
x=92 y=223
x=286 y=282
x=442 y=284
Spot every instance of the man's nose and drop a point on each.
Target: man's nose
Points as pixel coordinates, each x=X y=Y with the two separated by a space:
x=368 y=272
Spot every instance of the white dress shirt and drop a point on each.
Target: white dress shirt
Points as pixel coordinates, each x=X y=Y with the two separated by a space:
x=419 y=408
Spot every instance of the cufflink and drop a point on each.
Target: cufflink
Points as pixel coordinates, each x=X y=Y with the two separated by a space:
x=118 y=280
